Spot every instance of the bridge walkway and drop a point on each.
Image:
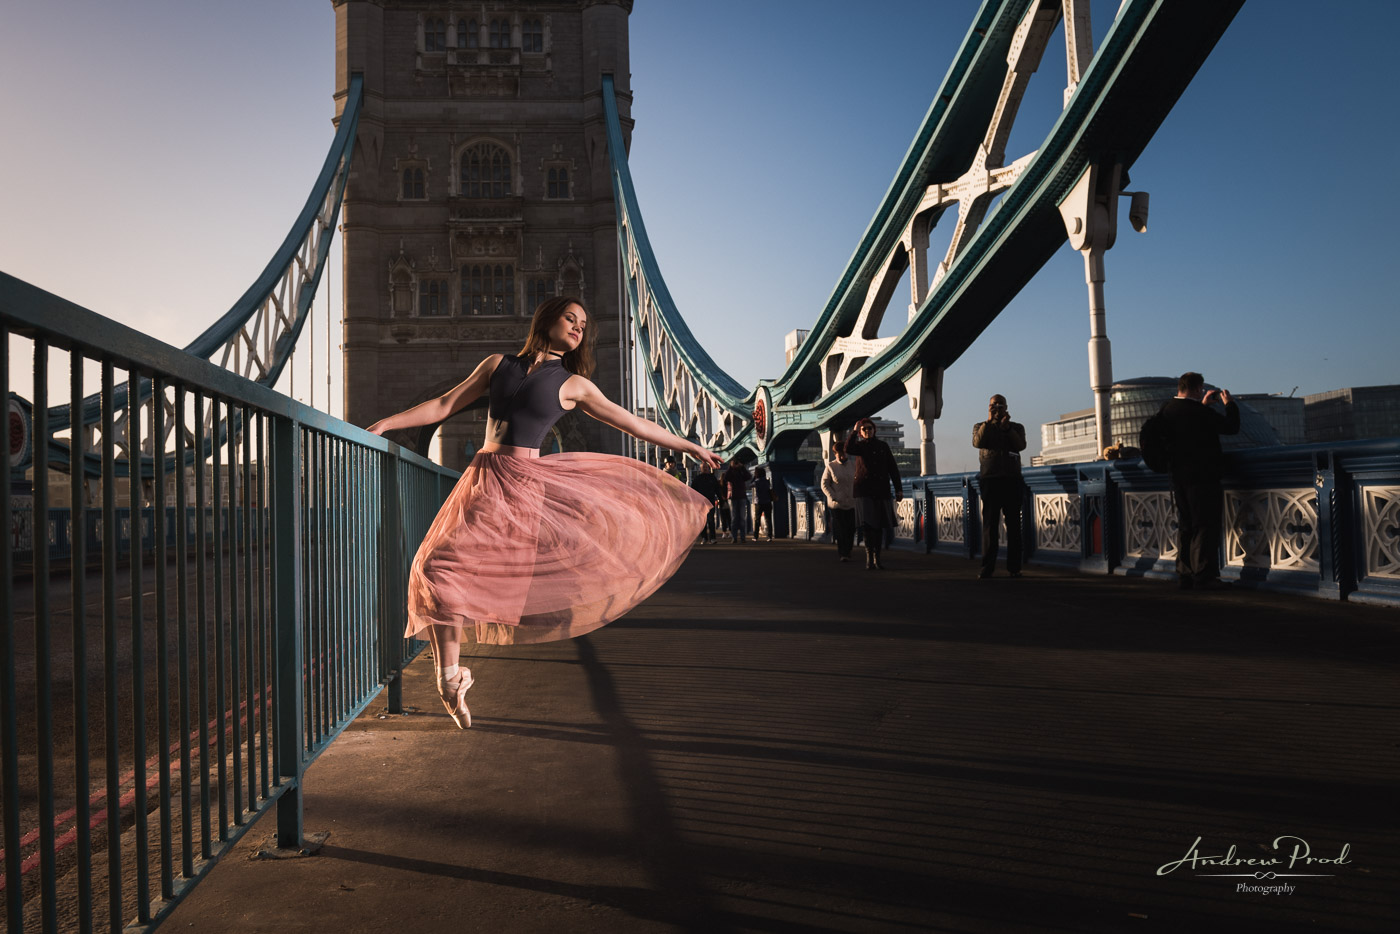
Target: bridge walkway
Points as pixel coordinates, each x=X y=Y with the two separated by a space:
x=778 y=742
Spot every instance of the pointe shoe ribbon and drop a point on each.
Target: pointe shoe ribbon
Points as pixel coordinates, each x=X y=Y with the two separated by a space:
x=453 y=692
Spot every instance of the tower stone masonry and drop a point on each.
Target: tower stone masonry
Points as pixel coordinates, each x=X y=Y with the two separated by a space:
x=479 y=186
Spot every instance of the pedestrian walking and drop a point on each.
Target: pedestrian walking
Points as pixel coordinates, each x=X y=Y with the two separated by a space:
x=763 y=504
x=707 y=485
x=875 y=474
x=999 y=442
x=736 y=483
x=1197 y=465
x=838 y=486
x=535 y=549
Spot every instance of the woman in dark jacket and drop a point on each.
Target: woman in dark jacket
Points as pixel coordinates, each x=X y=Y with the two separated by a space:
x=876 y=474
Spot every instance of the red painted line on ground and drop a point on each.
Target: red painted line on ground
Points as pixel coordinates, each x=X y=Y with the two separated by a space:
x=152 y=764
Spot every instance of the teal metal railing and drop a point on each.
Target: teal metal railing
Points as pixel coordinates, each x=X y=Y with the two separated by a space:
x=158 y=702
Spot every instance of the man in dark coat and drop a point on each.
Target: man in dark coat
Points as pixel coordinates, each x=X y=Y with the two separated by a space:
x=1197 y=465
x=707 y=485
x=736 y=484
x=999 y=442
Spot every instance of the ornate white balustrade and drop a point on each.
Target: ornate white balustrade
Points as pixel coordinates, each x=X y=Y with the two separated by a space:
x=1274 y=529
x=1057 y=525
x=948 y=512
x=904 y=518
x=1149 y=525
x=1380 y=516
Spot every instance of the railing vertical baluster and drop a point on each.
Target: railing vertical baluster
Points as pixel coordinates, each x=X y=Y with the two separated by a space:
x=82 y=779
x=218 y=427
x=262 y=519
x=323 y=590
x=235 y=625
x=43 y=662
x=162 y=608
x=306 y=698
x=182 y=619
x=319 y=585
x=391 y=552
x=201 y=623
x=9 y=726
x=246 y=436
x=287 y=590
x=138 y=648
x=363 y=569
x=109 y=640
x=277 y=548
x=342 y=584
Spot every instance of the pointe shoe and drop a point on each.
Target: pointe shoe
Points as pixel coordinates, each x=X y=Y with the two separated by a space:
x=453 y=692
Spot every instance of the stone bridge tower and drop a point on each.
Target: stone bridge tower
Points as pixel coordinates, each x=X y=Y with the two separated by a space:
x=479 y=187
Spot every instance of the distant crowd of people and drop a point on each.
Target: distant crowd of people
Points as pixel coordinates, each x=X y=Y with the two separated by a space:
x=860 y=483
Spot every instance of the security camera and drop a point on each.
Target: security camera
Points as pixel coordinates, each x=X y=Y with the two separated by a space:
x=1137 y=210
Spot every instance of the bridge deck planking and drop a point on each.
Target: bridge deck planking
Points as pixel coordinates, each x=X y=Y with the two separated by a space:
x=777 y=741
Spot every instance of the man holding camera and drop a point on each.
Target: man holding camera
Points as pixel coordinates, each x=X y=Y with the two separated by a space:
x=999 y=442
x=1197 y=466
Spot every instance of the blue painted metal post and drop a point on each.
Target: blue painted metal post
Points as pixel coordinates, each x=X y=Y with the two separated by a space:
x=390 y=573
x=1333 y=536
x=286 y=588
x=972 y=519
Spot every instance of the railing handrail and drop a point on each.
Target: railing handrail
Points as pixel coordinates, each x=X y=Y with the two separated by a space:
x=33 y=312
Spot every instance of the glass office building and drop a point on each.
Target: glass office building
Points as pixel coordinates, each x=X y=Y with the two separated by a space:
x=1073 y=439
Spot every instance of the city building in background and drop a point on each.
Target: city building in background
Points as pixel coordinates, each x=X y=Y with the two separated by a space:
x=1071 y=438
x=1285 y=413
x=1352 y=414
x=791 y=341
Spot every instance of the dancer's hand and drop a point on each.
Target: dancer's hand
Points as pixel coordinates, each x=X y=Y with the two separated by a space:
x=707 y=457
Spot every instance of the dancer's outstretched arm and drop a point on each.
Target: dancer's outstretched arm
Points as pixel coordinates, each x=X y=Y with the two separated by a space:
x=590 y=399
x=449 y=403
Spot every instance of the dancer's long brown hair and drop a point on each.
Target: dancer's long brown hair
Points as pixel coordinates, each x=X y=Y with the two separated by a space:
x=579 y=360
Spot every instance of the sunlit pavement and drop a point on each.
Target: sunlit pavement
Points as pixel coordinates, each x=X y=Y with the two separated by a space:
x=777 y=741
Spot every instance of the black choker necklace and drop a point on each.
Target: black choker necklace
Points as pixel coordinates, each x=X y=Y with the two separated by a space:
x=556 y=353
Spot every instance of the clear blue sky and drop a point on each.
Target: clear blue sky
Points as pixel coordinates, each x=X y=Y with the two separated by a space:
x=157 y=151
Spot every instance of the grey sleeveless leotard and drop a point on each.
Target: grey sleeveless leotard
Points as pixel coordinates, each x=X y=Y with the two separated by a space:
x=527 y=403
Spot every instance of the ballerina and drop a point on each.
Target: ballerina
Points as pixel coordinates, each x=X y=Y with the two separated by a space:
x=533 y=549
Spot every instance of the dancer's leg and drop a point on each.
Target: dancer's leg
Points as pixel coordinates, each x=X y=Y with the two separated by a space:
x=452 y=680
x=447 y=648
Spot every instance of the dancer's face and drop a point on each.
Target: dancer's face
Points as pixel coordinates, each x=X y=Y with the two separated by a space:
x=567 y=331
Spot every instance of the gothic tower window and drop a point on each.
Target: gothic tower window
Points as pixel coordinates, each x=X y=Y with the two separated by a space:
x=434 y=36
x=557 y=186
x=466 y=34
x=536 y=292
x=532 y=36
x=488 y=289
x=500 y=34
x=485 y=172
x=432 y=298
x=413 y=189
x=570 y=283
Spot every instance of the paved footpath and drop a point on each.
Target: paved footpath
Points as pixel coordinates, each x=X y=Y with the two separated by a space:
x=777 y=742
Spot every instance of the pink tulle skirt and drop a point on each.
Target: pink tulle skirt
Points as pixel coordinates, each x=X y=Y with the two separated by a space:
x=535 y=549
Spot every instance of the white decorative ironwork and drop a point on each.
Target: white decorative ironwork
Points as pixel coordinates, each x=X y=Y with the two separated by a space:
x=801 y=529
x=818 y=519
x=1149 y=525
x=949 y=512
x=904 y=518
x=1380 y=510
x=1057 y=525
x=1271 y=529
x=698 y=413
